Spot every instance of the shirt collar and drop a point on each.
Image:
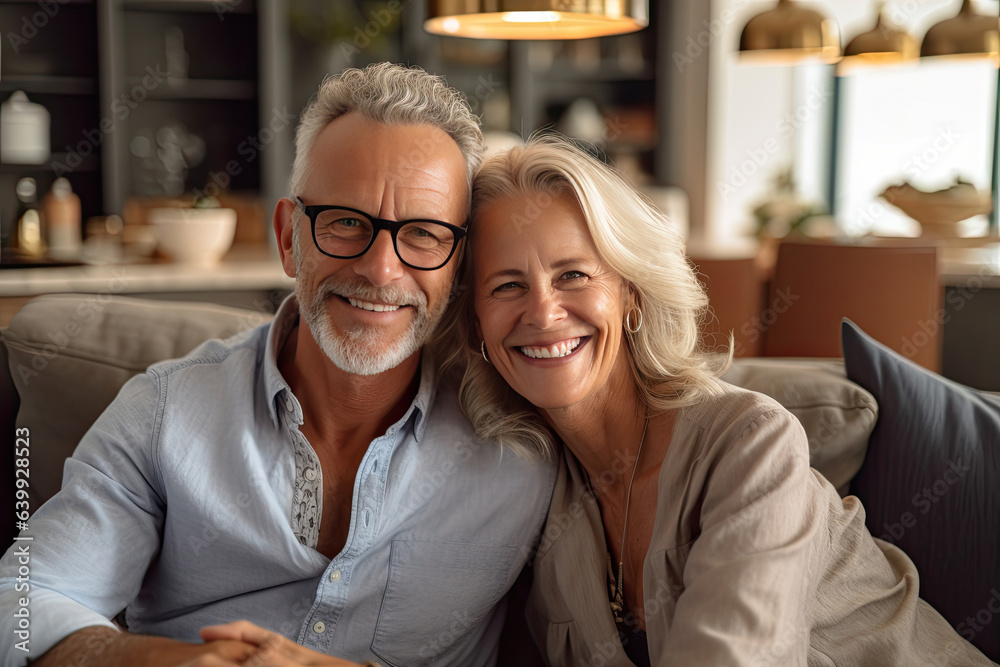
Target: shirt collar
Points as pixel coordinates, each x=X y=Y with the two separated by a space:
x=279 y=394
x=426 y=393
x=284 y=321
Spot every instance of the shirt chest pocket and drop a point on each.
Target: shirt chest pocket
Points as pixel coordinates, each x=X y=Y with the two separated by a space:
x=438 y=593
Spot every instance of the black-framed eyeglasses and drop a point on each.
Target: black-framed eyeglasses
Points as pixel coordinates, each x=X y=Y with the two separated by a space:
x=345 y=233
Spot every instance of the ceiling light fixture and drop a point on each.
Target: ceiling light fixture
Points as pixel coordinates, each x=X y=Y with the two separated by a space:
x=790 y=32
x=882 y=45
x=968 y=34
x=535 y=19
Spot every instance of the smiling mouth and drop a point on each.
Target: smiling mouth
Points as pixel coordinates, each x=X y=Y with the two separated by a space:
x=561 y=349
x=368 y=305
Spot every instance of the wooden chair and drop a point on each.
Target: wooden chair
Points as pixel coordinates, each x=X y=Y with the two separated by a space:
x=893 y=293
x=736 y=295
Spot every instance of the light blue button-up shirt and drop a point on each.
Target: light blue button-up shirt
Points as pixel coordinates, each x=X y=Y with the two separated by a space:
x=186 y=505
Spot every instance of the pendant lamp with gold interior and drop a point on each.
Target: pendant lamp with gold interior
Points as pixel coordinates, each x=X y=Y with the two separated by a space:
x=882 y=45
x=971 y=35
x=968 y=34
x=535 y=19
x=790 y=32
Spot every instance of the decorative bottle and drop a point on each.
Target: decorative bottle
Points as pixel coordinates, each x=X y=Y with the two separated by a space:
x=61 y=214
x=26 y=237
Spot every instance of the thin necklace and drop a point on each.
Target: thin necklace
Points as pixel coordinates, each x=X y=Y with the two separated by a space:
x=618 y=600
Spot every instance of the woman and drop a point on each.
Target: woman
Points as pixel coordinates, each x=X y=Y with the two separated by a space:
x=686 y=527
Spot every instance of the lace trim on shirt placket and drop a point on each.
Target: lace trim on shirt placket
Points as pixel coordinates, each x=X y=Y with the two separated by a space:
x=307 y=499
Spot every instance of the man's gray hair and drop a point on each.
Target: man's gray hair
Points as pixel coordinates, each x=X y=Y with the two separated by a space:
x=392 y=95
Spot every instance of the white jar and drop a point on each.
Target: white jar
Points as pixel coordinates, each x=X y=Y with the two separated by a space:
x=24 y=131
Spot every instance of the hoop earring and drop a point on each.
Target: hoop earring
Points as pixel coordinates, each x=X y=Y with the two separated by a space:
x=482 y=348
x=628 y=321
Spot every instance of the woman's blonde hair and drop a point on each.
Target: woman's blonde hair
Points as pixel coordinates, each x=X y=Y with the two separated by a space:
x=670 y=366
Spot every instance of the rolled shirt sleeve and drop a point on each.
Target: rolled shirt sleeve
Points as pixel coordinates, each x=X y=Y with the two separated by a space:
x=109 y=494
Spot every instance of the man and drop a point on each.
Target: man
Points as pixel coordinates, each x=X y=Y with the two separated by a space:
x=305 y=476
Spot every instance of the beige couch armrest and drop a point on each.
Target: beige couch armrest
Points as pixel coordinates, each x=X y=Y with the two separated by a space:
x=70 y=354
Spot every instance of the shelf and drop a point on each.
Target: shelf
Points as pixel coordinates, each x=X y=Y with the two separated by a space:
x=97 y=61
x=220 y=7
x=200 y=89
x=565 y=73
x=61 y=2
x=88 y=163
x=48 y=85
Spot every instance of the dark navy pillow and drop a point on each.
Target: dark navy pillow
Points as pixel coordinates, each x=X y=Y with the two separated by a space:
x=930 y=482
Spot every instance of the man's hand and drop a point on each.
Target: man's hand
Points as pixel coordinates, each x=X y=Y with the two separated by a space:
x=111 y=648
x=272 y=650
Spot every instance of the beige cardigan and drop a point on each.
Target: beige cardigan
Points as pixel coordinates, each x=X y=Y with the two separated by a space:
x=755 y=560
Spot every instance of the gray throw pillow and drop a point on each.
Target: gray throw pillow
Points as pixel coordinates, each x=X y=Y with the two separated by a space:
x=931 y=483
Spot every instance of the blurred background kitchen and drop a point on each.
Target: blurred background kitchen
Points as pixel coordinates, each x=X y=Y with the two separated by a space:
x=126 y=122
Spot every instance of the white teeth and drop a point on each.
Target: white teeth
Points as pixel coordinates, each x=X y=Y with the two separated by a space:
x=376 y=307
x=551 y=351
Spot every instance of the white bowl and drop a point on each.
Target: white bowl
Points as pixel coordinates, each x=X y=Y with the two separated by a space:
x=193 y=235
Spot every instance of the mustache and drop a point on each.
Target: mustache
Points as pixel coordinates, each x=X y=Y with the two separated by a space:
x=364 y=290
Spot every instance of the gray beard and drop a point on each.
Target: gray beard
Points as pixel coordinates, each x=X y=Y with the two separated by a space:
x=362 y=351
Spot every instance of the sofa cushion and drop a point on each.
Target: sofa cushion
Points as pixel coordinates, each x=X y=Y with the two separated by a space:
x=70 y=354
x=931 y=483
x=837 y=415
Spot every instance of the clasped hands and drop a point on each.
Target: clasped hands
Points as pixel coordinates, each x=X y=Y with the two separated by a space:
x=243 y=643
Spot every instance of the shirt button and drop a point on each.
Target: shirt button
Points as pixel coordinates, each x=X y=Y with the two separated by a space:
x=319 y=627
x=335 y=575
x=310 y=474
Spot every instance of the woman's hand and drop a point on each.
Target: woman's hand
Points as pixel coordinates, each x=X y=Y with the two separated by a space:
x=273 y=650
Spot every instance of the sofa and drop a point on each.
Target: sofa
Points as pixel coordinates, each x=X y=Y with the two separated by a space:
x=64 y=358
